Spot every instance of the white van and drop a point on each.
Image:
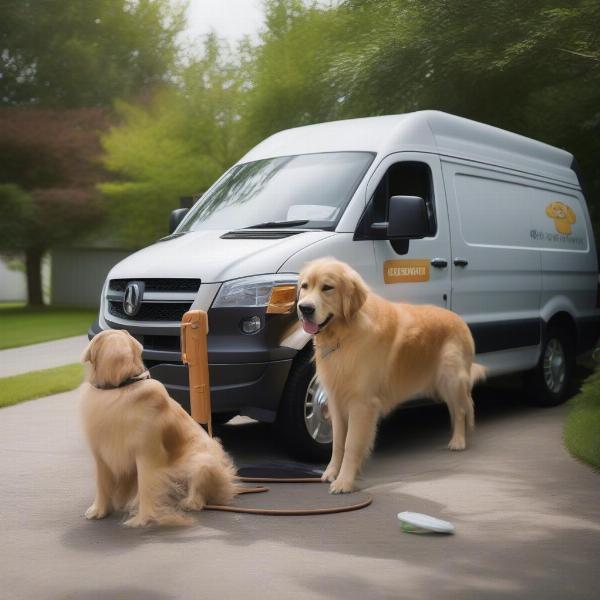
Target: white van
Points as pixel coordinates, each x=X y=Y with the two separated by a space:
x=428 y=207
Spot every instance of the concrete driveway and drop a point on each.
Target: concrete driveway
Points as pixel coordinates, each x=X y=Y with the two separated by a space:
x=527 y=519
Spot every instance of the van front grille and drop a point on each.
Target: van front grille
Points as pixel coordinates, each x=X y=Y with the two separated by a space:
x=158 y=285
x=162 y=299
x=152 y=311
x=170 y=343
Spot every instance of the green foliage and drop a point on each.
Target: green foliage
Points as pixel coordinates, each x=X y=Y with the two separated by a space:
x=85 y=52
x=288 y=70
x=175 y=146
x=583 y=422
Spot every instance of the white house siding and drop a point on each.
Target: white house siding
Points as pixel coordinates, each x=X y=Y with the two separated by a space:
x=13 y=286
x=79 y=273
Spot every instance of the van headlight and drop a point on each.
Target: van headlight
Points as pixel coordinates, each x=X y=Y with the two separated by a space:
x=275 y=292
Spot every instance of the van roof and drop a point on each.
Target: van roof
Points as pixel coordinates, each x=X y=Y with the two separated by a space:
x=422 y=131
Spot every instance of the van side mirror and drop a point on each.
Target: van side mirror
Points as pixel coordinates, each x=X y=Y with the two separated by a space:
x=407 y=219
x=176 y=217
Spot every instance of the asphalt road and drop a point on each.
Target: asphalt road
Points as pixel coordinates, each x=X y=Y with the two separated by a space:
x=527 y=519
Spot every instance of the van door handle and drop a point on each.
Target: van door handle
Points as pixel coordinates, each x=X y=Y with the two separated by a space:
x=439 y=263
x=461 y=262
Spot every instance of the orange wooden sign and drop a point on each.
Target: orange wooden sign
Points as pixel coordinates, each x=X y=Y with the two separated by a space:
x=406 y=271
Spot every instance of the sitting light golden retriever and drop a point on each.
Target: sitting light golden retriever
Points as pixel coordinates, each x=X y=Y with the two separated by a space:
x=372 y=354
x=152 y=458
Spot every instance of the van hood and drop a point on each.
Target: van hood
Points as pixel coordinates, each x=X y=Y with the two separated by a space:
x=207 y=256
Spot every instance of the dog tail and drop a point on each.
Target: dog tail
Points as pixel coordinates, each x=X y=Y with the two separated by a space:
x=478 y=373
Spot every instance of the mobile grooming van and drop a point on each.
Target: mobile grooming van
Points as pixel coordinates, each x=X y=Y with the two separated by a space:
x=506 y=243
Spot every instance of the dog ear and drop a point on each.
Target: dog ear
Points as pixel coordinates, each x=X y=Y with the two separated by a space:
x=137 y=347
x=87 y=355
x=571 y=215
x=355 y=295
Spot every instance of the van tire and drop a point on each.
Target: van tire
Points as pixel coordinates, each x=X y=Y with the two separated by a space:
x=551 y=383
x=290 y=424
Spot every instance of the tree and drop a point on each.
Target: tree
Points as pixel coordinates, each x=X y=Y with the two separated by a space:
x=175 y=145
x=62 y=66
x=288 y=70
x=52 y=158
x=85 y=52
x=463 y=57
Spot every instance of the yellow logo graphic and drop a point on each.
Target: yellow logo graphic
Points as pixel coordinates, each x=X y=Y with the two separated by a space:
x=562 y=215
x=406 y=271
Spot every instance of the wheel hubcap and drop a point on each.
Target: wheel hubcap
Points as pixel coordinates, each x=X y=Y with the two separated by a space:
x=555 y=366
x=316 y=413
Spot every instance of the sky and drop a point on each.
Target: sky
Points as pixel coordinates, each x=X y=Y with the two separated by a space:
x=231 y=19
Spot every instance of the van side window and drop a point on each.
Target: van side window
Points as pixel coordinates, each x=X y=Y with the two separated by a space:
x=412 y=179
x=401 y=179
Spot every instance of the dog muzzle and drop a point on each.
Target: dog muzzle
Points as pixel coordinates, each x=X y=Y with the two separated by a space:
x=314 y=328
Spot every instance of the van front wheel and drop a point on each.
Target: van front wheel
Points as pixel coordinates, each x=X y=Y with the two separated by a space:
x=303 y=423
x=551 y=382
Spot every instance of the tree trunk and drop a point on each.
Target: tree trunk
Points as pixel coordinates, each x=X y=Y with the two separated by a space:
x=33 y=266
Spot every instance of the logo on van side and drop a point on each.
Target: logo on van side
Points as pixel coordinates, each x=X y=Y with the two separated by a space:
x=562 y=215
x=406 y=271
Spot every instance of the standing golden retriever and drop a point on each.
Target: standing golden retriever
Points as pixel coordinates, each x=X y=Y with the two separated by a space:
x=372 y=354
x=152 y=458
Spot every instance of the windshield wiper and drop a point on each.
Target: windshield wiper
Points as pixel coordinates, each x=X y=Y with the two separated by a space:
x=172 y=236
x=277 y=224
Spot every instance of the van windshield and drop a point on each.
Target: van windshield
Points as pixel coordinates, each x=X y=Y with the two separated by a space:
x=308 y=190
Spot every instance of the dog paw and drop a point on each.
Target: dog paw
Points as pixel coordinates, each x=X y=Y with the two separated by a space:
x=194 y=503
x=341 y=486
x=457 y=443
x=329 y=474
x=137 y=521
x=93 y=512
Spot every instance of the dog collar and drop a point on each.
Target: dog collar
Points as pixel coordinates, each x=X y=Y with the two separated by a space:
x=143 y=375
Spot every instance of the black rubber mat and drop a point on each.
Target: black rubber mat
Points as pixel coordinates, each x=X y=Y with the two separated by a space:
x=291 y=497
x=280 y=470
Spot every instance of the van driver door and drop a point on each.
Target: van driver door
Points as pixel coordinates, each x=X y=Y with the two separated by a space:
x=418 y=271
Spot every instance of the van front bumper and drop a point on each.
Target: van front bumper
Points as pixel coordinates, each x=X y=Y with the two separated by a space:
x=252 y=389
x=247 y=372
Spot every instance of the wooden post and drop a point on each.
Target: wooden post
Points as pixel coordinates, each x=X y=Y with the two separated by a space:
x=194 y=353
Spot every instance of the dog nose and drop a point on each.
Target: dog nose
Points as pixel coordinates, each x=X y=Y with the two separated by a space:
x=307 y=309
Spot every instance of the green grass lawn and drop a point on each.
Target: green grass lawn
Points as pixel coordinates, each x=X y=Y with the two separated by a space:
x=37 y=384
x=21 y=326
x=5 y=305
x=582 y=429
